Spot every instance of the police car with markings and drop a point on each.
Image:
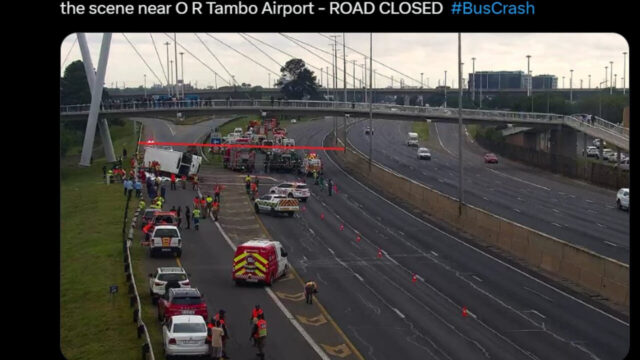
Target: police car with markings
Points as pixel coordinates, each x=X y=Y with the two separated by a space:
x=275 y=203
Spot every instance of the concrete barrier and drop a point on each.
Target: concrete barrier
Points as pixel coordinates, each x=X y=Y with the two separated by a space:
x=593 y=272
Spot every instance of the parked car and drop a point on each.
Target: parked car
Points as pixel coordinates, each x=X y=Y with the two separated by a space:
x=368 y=130
x=592 y=151
x=165 y=238
x=606 y=153
x=424 y=153
x=166 y=278
x=185 y=335
x=597 y=143
x=292 y=189
x=147 y=216
x=624 y=164
x=182 y=301
x=622 y=198
x=490 y=158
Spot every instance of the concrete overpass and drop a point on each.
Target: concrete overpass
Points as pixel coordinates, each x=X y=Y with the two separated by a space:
x=565 y=126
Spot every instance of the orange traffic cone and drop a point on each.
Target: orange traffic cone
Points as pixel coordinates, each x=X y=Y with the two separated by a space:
x=464 y=311
x=379 y=253
x=413 y=278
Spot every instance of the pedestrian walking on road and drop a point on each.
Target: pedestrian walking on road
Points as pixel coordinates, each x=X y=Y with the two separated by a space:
x=196 y=219
x=255 y=313
x=259 y=333
x=219 y=317
x=310 y=288
x=330 y=186
x=216 y=192
x=216 y=335
x=187 y=215
x=173 y=182
x=196 y=202
x=216 y=210
x=203 y=205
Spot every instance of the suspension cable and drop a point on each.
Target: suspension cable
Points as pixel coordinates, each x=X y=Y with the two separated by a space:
x=195 y=57
x=215 y=57
x=250 y=59
x=159 y=60
x=69 y=52
x=262 y=51
x=141 y=58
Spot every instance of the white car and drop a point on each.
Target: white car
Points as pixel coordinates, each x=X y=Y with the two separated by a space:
x=592 y=151
x=368 y=130
x=166 y=278
x=622 y=198
x=292 y=190
x=624 y=163
x=424 y=153
x=412 y=139
x=185 y=335
x=606 y=153
x=165 y=238
x=275 y=203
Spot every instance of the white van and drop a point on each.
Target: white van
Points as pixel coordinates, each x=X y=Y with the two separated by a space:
x=412 y=140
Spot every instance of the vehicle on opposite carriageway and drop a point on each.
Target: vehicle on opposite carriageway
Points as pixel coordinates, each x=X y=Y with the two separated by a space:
x=490 y=158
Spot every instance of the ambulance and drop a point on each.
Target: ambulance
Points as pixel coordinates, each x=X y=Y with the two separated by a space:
x=259 y=260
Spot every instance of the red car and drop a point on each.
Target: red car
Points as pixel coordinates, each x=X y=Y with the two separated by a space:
x=490 y=158
x=181 y=301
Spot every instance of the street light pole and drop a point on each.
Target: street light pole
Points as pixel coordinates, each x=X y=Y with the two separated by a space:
x=473 y=82
x=528 y=74
x=353 y=78
x=344 y=67
x=182 y=72
x=145 y=86
x=606 y=73
x=168 y=67
x=460 y=138
x=624 y=69
x=445 y=88
x=571 y=87
x=589 y=81
x=421 y=80
x=563 y=82
x=371 y=100
x=611 y=77
x=175 y=56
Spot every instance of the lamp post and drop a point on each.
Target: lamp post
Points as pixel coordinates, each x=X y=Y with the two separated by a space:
x=421 y=80
x=624 y=69
x=460 y=138
x=611 y=78
x=528 y=74
x=445 y=88
x=606 y=72
x=145 y=86
x=473 y=82
x=182 y=73
x=168 y=80
x=589 y=81
x=571 y=87
x=563 y=82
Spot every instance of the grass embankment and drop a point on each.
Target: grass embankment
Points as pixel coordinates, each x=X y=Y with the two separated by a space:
x=422 y=128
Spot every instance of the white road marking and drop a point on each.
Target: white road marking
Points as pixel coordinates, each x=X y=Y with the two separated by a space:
x=521 y=199
x=589 y=201
x=477 y=278
x=281 y=306
x=556 y=224
x=518 y=179
x=434 y=253
x=399 y=313
x=537 y=293
x=474 y=248
x=173 y=133
x=592 y=211
x=610 y=243
x=331 y=251
x=420 y=277
x=487 y=199
x=435 y=126
x=516 y=210
x=358 y=276
x=311 y=231
x=556 y=210
x=602 y=226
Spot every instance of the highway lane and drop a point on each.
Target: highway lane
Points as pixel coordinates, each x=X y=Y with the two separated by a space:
x=569 y=210
x=388 y=316
x=207 y=257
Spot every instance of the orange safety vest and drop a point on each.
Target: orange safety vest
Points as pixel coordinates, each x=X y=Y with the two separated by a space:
x=255 y=313
x=262 y=328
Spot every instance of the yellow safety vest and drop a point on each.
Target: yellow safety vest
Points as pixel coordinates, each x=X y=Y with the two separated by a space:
x=196 y=213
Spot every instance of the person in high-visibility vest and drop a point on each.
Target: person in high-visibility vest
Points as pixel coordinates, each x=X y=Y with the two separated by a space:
x=142 y=205
x=216 y=210
x=196 y=202
x=196 y=218
x=255 y=313
x=184 y=182
x=203 y=205
x=209 y=203
x=254 y=191
x=259 y=333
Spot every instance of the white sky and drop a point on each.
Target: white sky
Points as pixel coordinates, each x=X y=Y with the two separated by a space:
x=410 y=53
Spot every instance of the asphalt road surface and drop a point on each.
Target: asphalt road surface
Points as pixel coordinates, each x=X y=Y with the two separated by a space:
x=387 y=315
x=569 y=210
x=511 y=315
x=207 y=258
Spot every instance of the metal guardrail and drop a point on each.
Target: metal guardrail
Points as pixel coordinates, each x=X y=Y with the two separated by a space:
x=505 y=116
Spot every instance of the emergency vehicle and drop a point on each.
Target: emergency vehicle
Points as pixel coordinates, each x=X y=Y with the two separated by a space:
x=165 y=238
x=292 y=190
x=310 y=163
x=276 y=204
x=259 y=261
x=239 y=159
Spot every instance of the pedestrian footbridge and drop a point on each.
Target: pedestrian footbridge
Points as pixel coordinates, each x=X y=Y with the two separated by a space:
x=599 y=128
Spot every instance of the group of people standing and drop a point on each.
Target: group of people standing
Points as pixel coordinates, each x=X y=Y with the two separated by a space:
x=218 y=333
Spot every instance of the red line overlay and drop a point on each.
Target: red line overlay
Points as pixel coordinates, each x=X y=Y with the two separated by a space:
x=247 y=146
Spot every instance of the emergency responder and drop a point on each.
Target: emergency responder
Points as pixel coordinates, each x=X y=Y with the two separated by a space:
x=173 y=181
x=216 y=192
x=219 y=317
x=142 y=205
x=216 y=210
x=184 y=182
x=196 y=218
x=330 y=186
x=247 y=183
x=254 y=191
x=109 y=176
x=321 y=181
x=147 y=231
x=196 y=202
x=203 y=205
x=254 y=313
x=315 y=177
x=310 y=288
x=259 y=333
x=209 y=204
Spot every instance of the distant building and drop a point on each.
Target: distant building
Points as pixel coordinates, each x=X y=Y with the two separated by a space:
x=545 y=82
x=497 y=80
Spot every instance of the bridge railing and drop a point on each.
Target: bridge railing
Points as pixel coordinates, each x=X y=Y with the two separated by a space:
x=598 y=124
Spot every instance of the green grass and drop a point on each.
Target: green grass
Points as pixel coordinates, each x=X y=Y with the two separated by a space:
x=92 y=326
x=422 y=128
x=473 y=130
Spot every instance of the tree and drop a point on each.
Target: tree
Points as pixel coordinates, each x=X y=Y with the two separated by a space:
x=298 y=82
x=74 y=87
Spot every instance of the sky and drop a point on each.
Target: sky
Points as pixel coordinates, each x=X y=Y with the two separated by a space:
x=409 y=53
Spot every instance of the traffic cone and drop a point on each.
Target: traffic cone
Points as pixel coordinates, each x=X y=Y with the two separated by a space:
x=341 y=227
x=464 y=311
x=413 y=278
x=358 y=238
x=322 y=216
x=379 y=253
